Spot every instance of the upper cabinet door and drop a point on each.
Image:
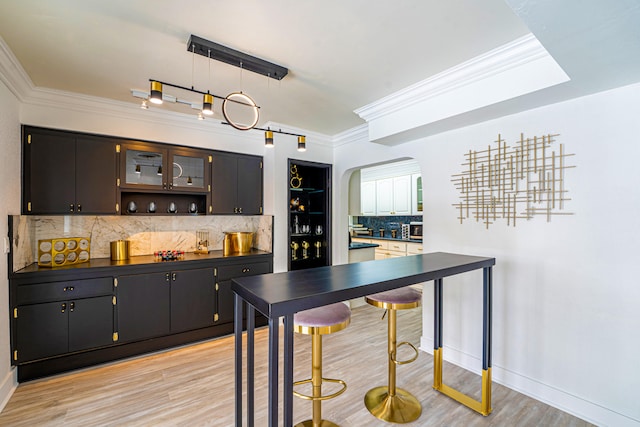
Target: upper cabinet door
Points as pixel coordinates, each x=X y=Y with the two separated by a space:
x=368 y=198
x=393 y=196
x=66 y=173
x=143 y=166
x=96 y=176
x=250 y=185
x=402 y=195
x=384 y=196
x=49 y=172
x=224 y=178
x=236 y=184
x=190 y=170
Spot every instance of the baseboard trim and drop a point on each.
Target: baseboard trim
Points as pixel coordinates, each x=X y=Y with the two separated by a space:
x=8 y=386
x=552 y=396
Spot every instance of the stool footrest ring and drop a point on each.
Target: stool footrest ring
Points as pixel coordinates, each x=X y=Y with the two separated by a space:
x=404 y=362
x=327 y=397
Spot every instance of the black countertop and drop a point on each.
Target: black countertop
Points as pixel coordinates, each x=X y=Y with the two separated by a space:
x=95 y=264
x=395 y=239
x=280 y=294
x=362 y=245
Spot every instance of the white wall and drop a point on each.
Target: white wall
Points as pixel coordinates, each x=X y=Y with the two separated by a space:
x=9 y=205
x=566 y=294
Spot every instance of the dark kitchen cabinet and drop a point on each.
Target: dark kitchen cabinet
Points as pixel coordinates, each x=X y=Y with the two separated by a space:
x=158 y=179
x=151 y=305
x=158 y=167
x=144 y=306
x=236 y=184
x=309 y=214
x=62 y=317
x=224 y=294
x=70 y=318
x=192 y=299
x=68 y=173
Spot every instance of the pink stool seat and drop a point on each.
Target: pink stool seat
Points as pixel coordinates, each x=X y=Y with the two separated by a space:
x=397 y=299
x=325 y=320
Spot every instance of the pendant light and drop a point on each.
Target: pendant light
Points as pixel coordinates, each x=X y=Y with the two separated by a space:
x=268 y=138
x=207 y=104
x=207 y=98
x=156 y=92
x=302 y=145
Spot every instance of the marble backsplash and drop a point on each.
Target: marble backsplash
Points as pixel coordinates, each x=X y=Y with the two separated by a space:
x=146 y=233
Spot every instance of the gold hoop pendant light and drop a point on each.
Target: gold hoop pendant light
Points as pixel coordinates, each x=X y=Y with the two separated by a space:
x=240 y=98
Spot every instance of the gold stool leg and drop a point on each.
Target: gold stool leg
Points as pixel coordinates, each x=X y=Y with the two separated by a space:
x=390 y=403
x=316 y=386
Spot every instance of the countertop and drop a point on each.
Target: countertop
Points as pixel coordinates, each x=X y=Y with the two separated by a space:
x=97 y=263
x=362 y=245
x=397 y=239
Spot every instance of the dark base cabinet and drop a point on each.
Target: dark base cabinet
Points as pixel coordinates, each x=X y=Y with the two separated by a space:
x=225 y=301
x=143 y=306
x=73 y=318
x=192 y=299
x=57 y=317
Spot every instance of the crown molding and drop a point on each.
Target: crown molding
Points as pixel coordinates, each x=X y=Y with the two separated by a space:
x=12 y=74
x=349 y=136
x=514 y=54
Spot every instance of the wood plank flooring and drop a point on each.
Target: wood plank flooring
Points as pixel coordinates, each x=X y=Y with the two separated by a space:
x=194 y=386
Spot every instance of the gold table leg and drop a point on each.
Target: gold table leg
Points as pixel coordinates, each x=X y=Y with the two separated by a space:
x=483 y=406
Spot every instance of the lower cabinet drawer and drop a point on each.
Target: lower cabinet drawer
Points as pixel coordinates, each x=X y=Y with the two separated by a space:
x=227 y=272
x=59 y=291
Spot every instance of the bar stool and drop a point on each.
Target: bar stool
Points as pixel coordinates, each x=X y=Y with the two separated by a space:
x=390 y=403
x=317 y=322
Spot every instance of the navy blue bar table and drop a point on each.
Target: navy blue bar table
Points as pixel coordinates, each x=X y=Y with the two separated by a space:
x=282 y=294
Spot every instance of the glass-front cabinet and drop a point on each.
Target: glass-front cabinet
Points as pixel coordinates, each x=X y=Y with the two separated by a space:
x=416 y=194
x=143 y=167
x=164 y=180
x=309 y=214
x=149 y=166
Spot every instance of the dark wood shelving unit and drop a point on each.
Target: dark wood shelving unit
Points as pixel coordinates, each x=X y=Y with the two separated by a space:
x=309 y=237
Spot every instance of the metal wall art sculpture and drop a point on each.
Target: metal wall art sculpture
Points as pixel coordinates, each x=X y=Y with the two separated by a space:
x=513 y=182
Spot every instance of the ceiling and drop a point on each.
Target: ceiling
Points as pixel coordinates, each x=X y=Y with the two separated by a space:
x=341 y=55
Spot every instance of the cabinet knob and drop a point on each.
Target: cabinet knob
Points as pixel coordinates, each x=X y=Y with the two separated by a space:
x=71 y=207
x=68 y=288
x=173 y=277
x=63 y=307
x=72 y=305
x=239 y=210
x=79 y=208
x=246 y=270
x=167 y=277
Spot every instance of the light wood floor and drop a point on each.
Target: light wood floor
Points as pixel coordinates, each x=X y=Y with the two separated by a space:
x=193 y=386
